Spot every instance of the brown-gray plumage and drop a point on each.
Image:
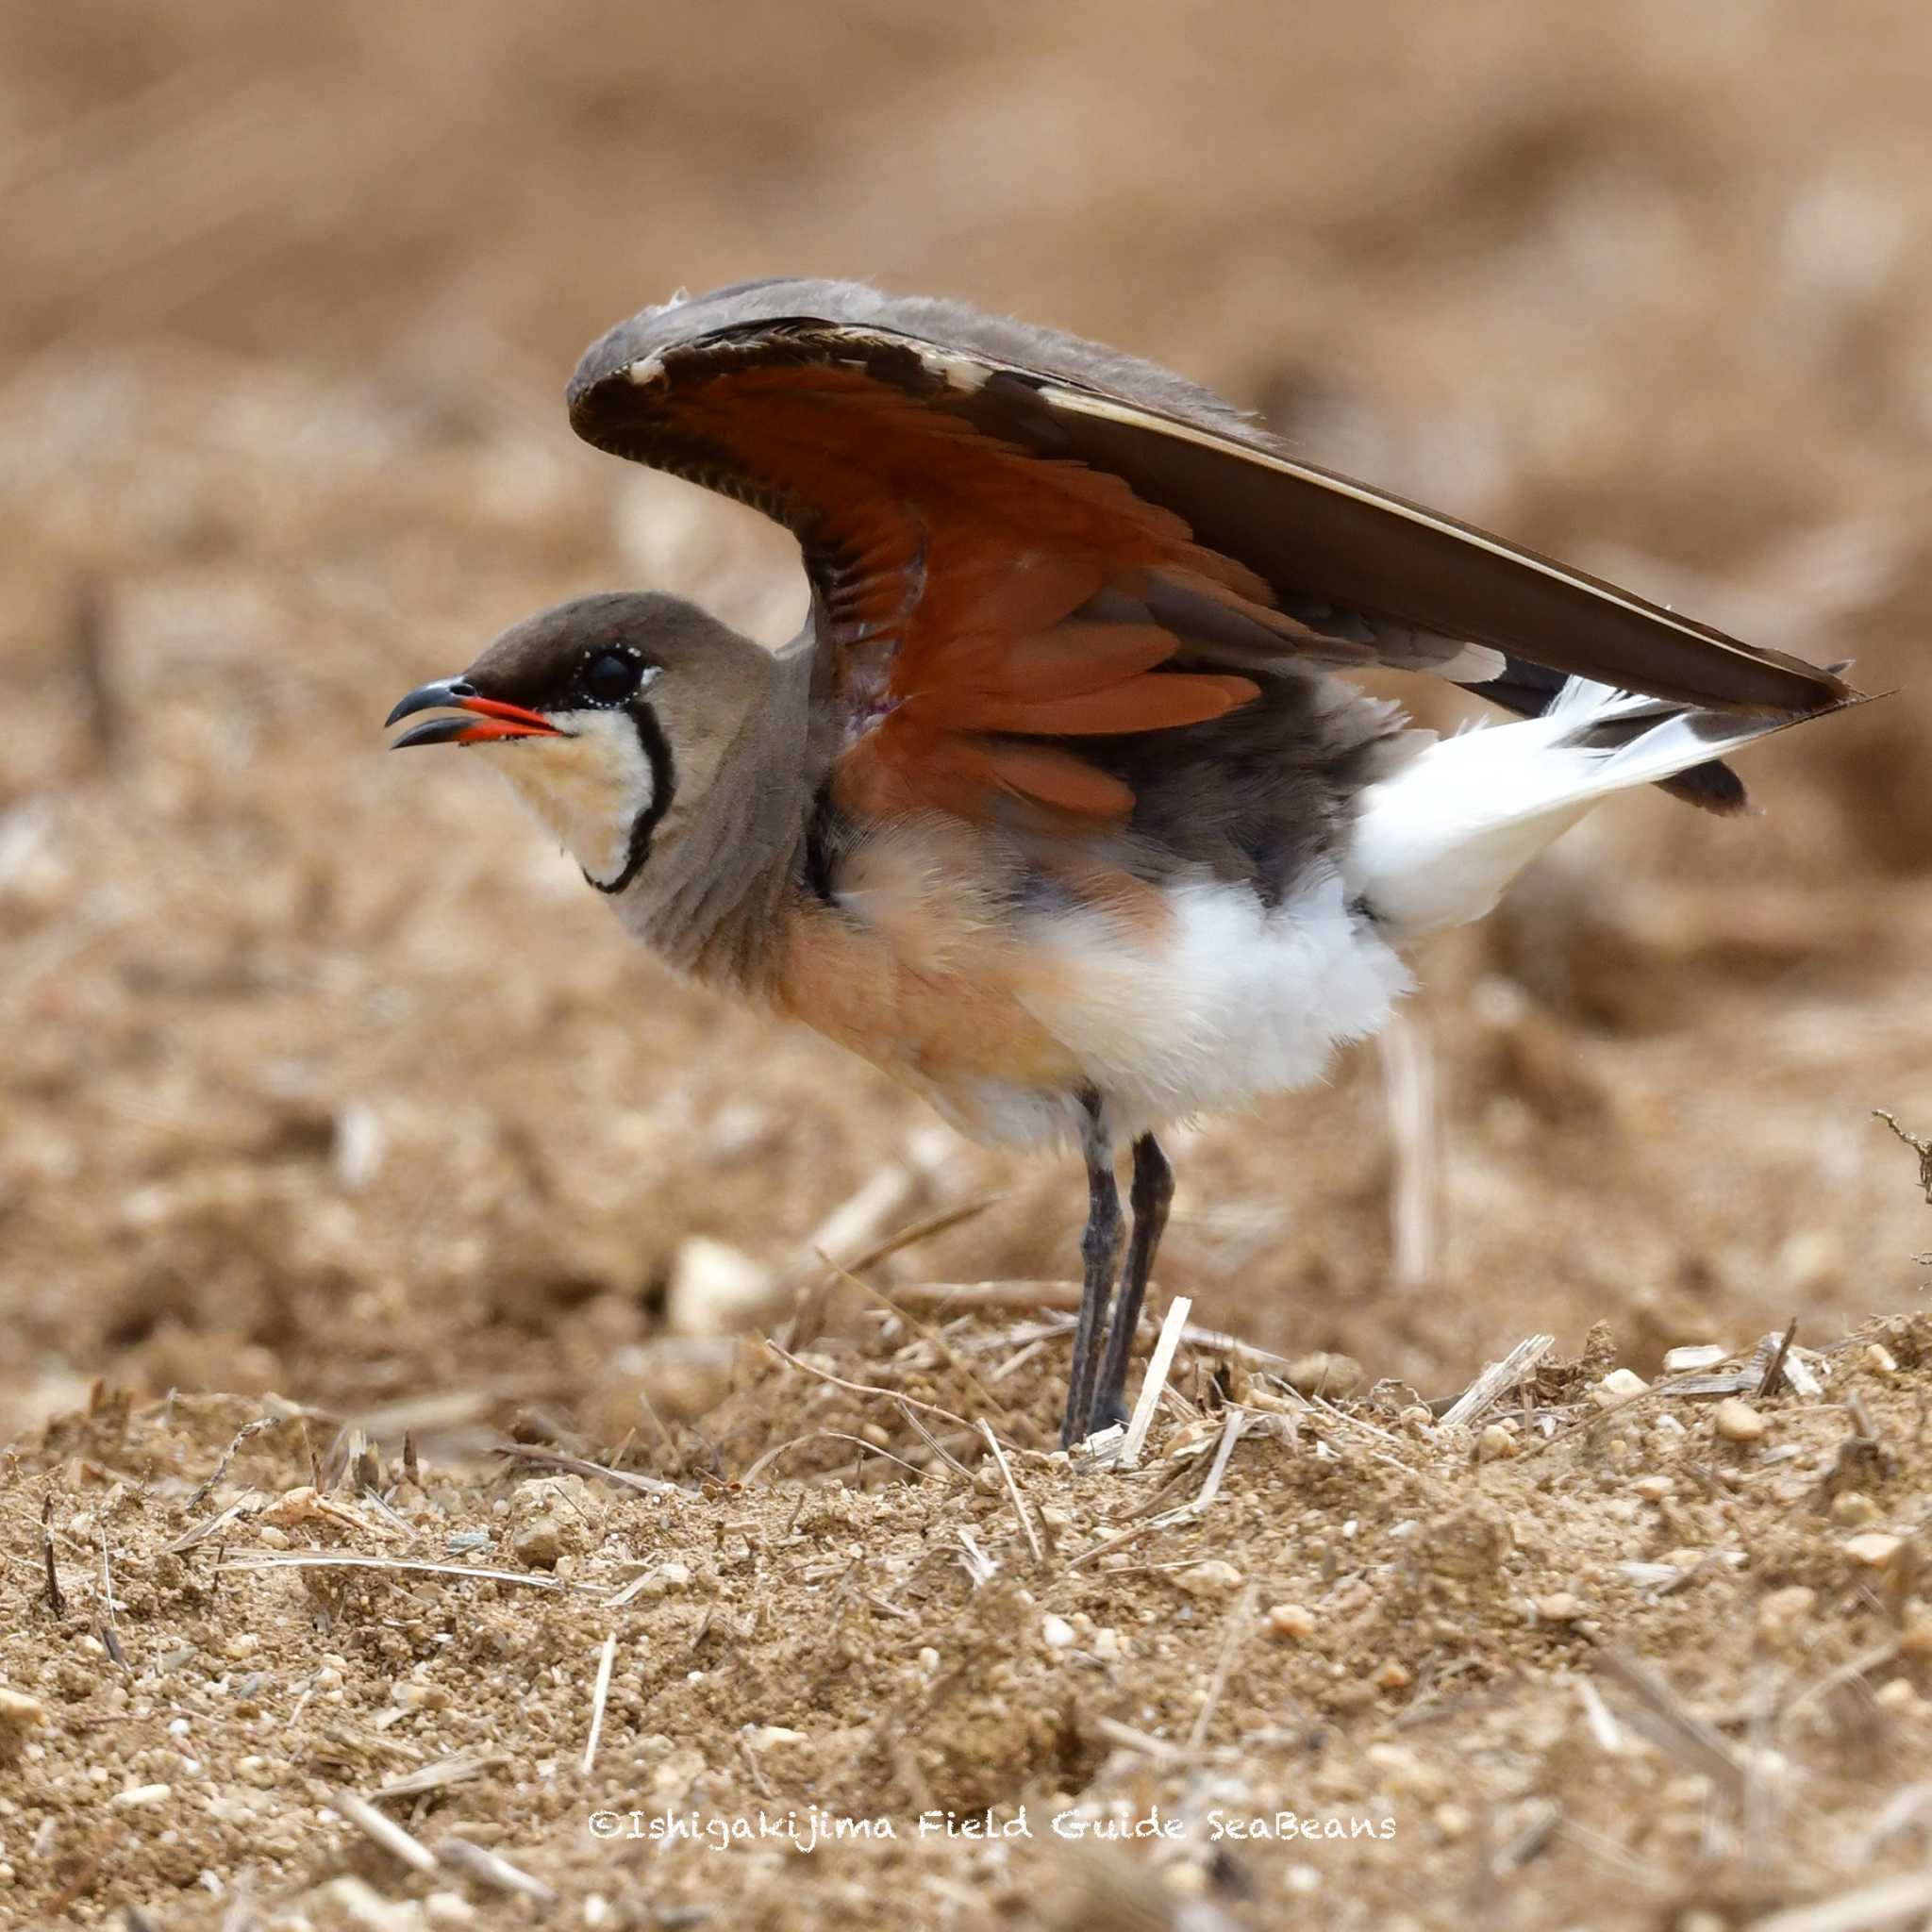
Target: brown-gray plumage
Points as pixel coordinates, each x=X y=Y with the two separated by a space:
x=1058 y=809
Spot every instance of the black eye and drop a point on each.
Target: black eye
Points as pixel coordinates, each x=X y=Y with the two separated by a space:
x=610 y=677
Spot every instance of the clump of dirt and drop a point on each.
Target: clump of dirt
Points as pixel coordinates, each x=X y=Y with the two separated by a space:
x=1311 y=1655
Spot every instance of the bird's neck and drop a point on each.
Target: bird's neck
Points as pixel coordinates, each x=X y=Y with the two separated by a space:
x=711 y=900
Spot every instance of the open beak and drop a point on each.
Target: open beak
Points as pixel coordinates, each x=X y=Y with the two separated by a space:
x=494 y=718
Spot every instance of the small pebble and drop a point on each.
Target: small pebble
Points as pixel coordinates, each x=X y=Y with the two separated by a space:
x=1684 y=1362
x=1056 y=1633
x=1211 y=1578
x=538 y=1543
x=144 y=1795
x=19 y=1715
x=1853 y=1509
x=1874 y=1548
x=1738 y=1422
x=716 y=1289
x=1495 y=1443
x=1896 y=1695
x=1324 y=1373
x=1780 y=1614
x=1293 y=1621
x=1560 y=1607
x=1394 y=1677
x=1653 y=1489
x=1880 y=1359
x=1619 y=1387
x=666 y=1580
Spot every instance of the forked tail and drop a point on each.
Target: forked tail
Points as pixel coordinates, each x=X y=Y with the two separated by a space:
x=1437 y=841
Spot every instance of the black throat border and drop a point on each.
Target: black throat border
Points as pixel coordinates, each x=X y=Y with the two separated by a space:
x=663 y=784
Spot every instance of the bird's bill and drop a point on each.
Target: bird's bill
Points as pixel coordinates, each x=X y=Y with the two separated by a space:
x=493 y=717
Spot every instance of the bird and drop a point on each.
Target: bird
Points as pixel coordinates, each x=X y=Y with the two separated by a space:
x=1065 y=807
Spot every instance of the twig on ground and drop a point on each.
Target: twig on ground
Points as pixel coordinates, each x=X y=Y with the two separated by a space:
x=1685 y=1735
x=488 y=1868
x=1774 y=1368
x=355 y=1559
x=456 y=1770
x=206 y=1486
x=809 y=1303
x=1231 y=1435
x=927 y=1332
x=1888 y=1902
x=933 y=1443
x=979 y=1566
x=577 y=1465
x=988 y=1297
x=1115 y=1732
x=805 y=1368
x=111 y=1629
x=1498 y=1381
x=772 y=1455
x=55 y=1602
x=599 y=1697
x=1919 y=1144
x=1155 y=1381
x=382 y=1831
x=1020 y=1510
x=1239 y=1619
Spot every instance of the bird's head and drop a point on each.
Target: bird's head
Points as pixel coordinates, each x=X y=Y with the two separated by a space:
x=608 y=715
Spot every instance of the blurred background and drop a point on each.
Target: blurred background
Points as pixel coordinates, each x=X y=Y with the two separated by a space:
x=320 y=1073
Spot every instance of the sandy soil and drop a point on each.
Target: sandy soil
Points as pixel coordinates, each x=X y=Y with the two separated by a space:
x=328 y=1095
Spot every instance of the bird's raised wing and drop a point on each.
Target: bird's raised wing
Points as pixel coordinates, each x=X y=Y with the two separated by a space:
x=1018 y=540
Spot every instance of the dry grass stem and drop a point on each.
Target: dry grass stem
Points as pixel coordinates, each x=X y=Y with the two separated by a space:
x=1774 y=1368
x=1890 y=1902
x=1920 y=1145
x=1150 y=1389
x=1498 y=1381
x=1020 y=1508
x=988 y=1297
x=578 y=1465
x=355 y=1559
x=599 y=1697
x=1239 y=1619
x=461 y=1768
x=1223 y=1450
x=805 y=1368
x=1685 y=1735
x=382 y=1831
x=490 y=1868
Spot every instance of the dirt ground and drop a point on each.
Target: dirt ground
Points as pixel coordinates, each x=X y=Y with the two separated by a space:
x=330 y=1100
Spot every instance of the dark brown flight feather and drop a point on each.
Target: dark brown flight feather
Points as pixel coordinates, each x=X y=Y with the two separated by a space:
x=972 y=491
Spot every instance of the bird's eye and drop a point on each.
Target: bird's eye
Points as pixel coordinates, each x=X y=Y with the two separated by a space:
x=610 y=677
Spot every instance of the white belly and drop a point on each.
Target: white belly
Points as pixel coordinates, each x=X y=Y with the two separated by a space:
x=1234 y=1002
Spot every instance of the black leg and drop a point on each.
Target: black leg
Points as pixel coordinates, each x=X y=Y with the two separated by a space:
x=1100 y=1253
x=1152 y=1195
